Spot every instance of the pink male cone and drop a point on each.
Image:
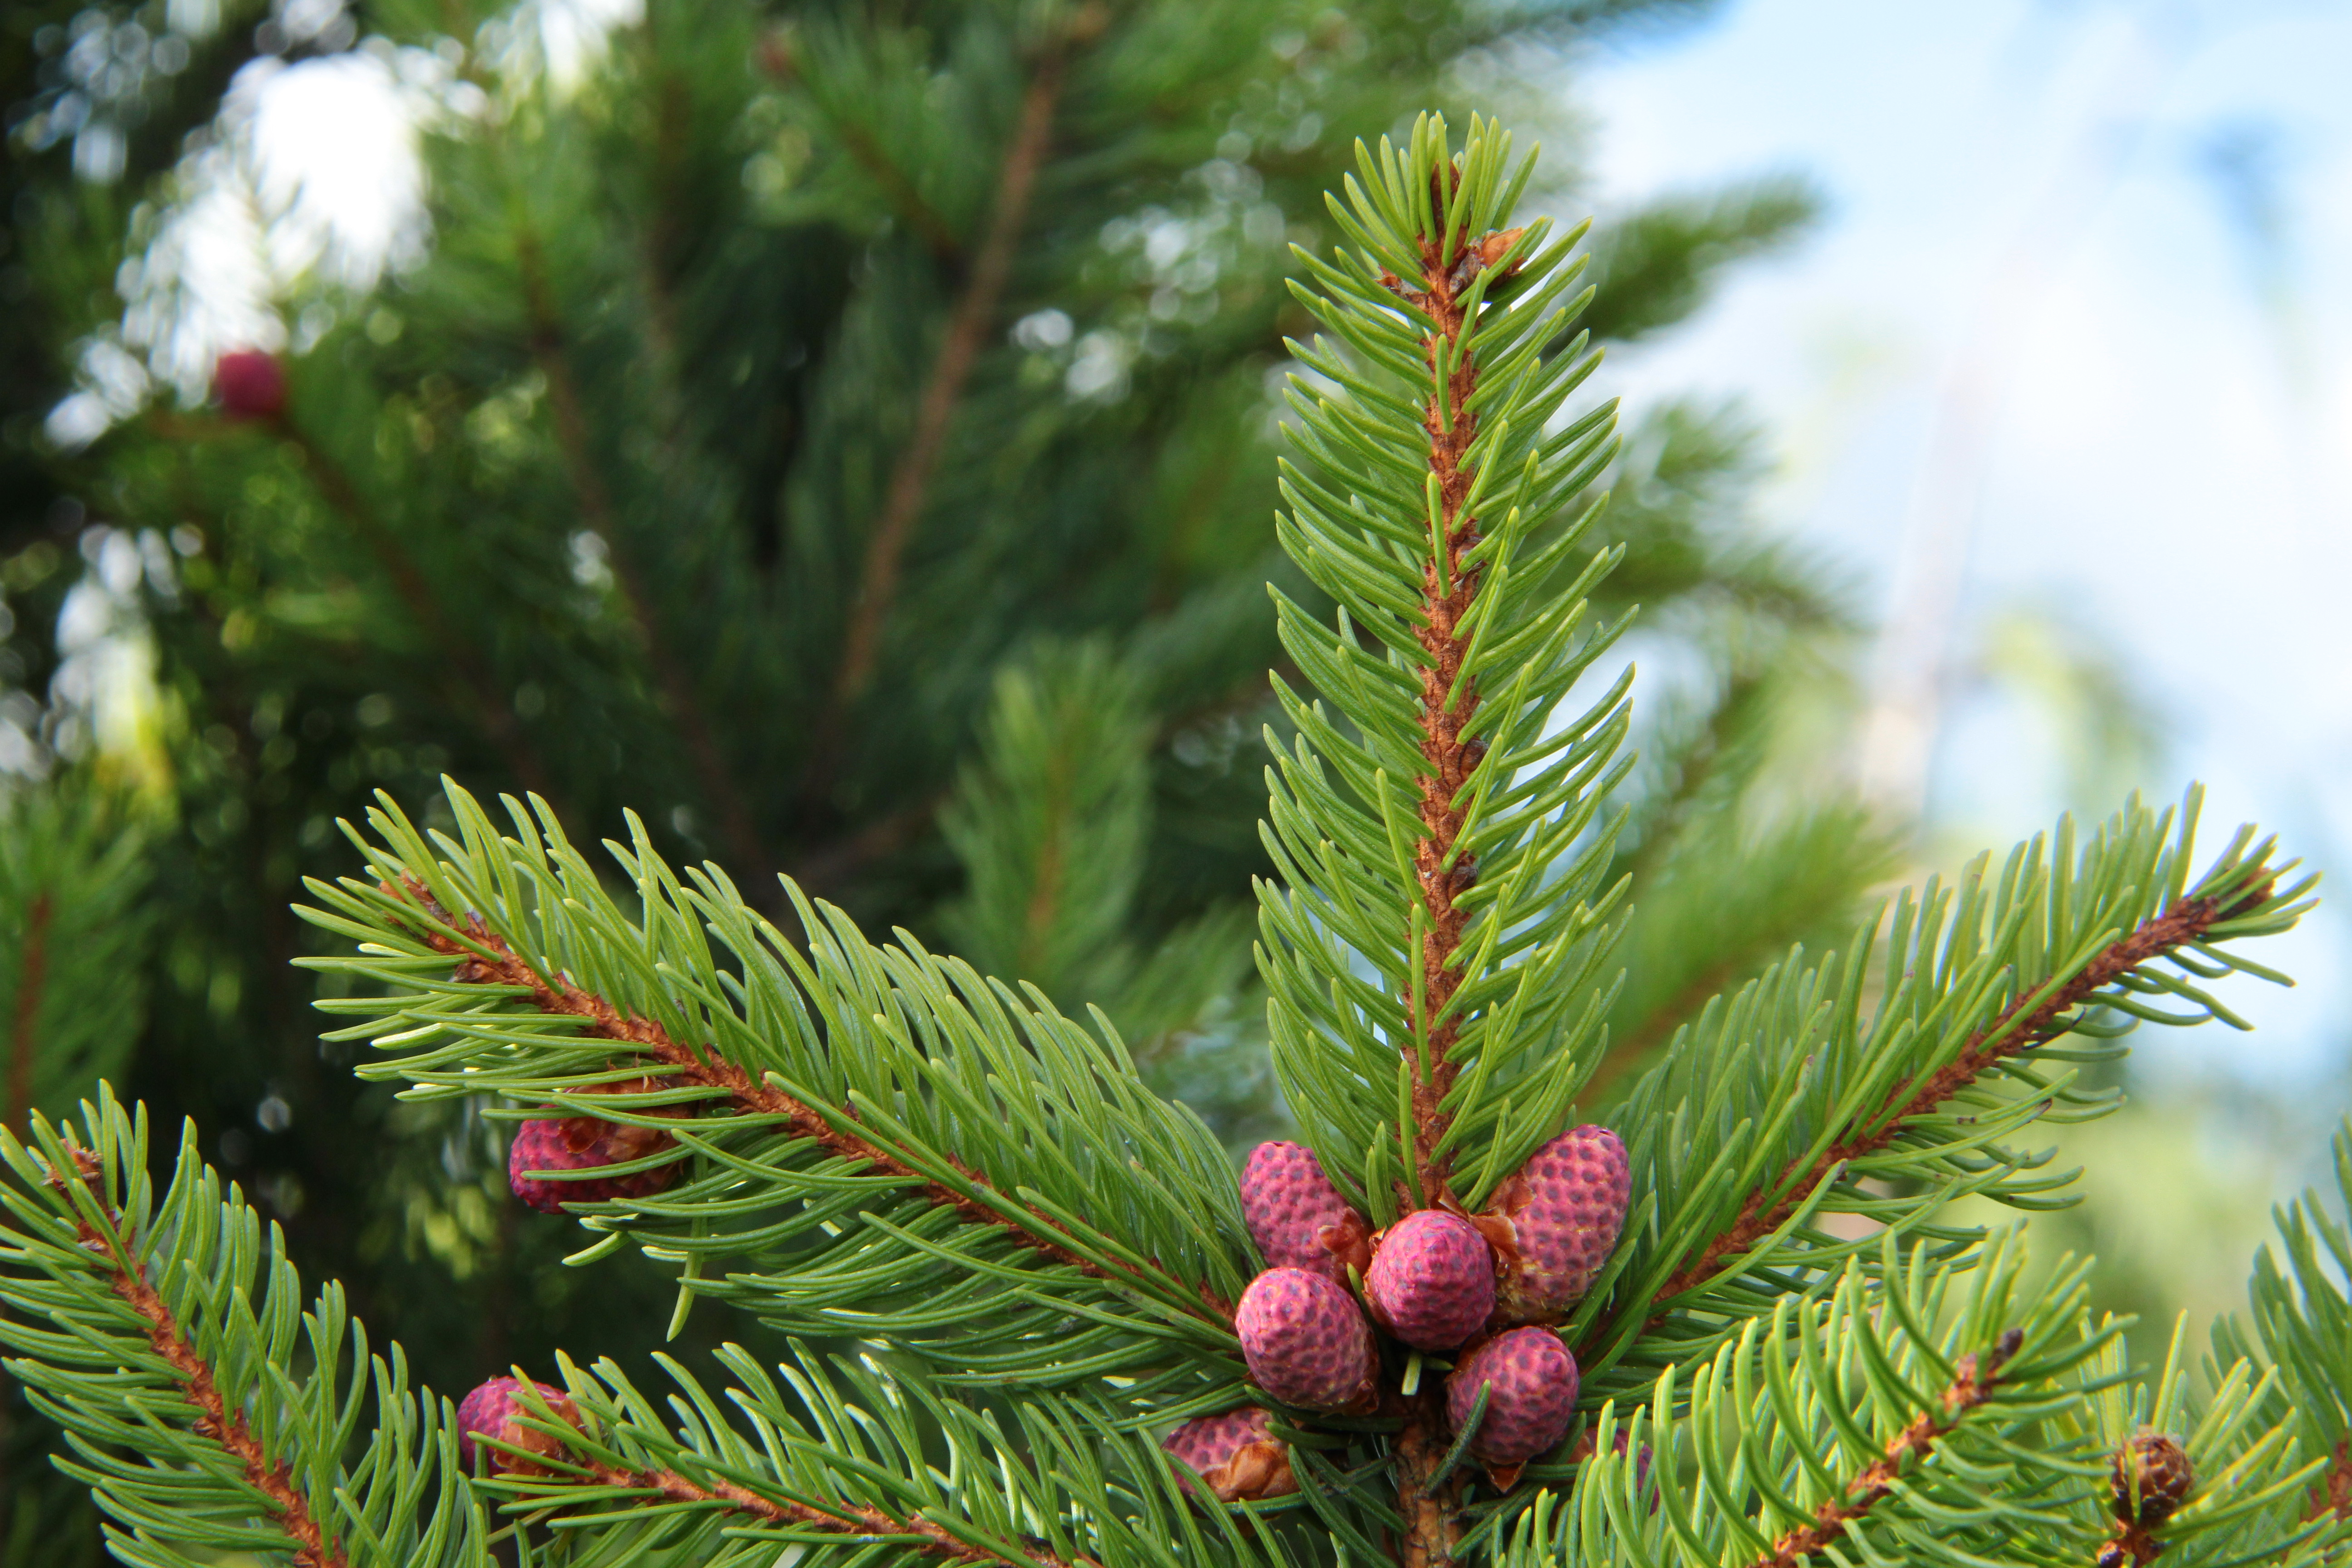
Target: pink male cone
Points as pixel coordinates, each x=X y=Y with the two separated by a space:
x=1235 y=1455
x=1565 y=1208
x=496 y=1410
x=1431 y=1282
x=1305 y=1340
x=1297 y=1216
x=1532 y=1383
x=584 y=1143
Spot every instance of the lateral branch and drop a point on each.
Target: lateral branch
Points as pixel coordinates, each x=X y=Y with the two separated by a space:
x=599 y=1019
x=836 y=1518
x=215 y=1420
x=1971 y=1385
x=2019 y=1028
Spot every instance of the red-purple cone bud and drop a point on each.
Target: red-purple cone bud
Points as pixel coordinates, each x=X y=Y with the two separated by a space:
x=1235 y=1455
x=1297 y=1216
x=1432 y=1283
x=496 y=1410
x=1566 y=1206
x=586 y=1142
x=1305 y=1342
x=1533 y=1382
x=250 y=385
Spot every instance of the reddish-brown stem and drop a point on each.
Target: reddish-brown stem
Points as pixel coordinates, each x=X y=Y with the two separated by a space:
x=1447 y=705
x=967 y=329
x=839 y=1517
x=215 y=1420
x=1971 y=1385
x=679 y=699
x=497 y=717
x=2019 y=1028
x=599 y=1019
x=25 y=1028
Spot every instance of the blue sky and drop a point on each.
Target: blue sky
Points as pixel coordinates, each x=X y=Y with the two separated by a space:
x=2081 y=300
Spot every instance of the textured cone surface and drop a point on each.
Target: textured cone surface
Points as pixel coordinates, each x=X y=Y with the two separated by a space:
x=1235 y=1454
x=1432 y=1283
x=1566 y=1205
x=250 y=385
x=1305 y=1340
x=496 y=1410
x=1534 y=1382
x=584 y=1143
x=1289 y=1205
x=2161 y=1469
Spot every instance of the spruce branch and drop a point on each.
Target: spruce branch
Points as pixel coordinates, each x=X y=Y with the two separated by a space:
x=856 y=1456
x=1433 y=822
x=1786 y=1102
x=870 y=1137
x=1971 y=1385
x=678 y=1066
x=1908 y=1412
x=2030 y=1021
x=175 y=1377
x=779 y=55
x=2303 y=1327
x=110 y=1237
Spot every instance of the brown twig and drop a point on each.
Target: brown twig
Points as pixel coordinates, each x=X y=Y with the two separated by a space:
x=841 y=1518
x=968 y=327
x=215 y=1419
x=670 y=674
x=706 y=1069
x=1971 y=1385
x=32 y=981
x=2019 y=1028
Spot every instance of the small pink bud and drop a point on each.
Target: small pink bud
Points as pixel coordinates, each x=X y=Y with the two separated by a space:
x=496 y=1410
x=584 y=1142
x=250 y=385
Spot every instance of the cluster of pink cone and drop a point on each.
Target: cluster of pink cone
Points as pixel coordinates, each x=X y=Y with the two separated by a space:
x=1479 y=1288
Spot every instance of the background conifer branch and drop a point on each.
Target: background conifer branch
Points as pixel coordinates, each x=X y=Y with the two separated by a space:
x=968 y=325
x=496 y=714
x=675 y=682
x=24 y=1020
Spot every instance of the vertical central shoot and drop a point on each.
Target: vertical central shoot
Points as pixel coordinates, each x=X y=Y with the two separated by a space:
x=1447 y=293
